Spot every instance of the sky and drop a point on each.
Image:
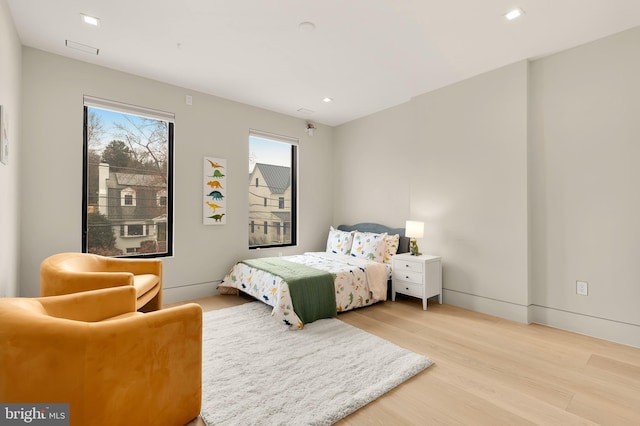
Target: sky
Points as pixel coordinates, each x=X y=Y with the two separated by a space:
x=108 y=118
x=269 y=152
x=261 y=150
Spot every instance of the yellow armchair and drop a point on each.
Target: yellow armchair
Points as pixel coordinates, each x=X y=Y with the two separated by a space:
x=111 y=364
x=67 y=273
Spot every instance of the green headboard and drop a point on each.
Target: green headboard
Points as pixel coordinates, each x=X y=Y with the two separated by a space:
x=403 y=247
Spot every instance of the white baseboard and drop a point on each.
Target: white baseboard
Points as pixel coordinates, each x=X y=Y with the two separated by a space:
x=601 y=328
x=189 y=292
x=485 y=305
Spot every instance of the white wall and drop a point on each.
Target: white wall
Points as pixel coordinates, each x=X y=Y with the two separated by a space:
x=454 y=158
x=585 y=187
x=10 y=72
x=51 y=177
x=371 y=169
x=527 y=180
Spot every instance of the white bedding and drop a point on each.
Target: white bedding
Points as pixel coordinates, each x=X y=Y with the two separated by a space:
x=358 y=282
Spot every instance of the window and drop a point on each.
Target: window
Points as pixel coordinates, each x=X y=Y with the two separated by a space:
x=128 y=197
x=127 y=180
x=135 y=230
x=161 y=198
x=272 y=189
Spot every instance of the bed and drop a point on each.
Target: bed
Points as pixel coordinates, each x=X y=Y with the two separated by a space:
x=354 y=271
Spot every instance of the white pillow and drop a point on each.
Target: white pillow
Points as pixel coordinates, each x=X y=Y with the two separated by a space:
x=339 y=242
x=391 y=247
x=369 y=245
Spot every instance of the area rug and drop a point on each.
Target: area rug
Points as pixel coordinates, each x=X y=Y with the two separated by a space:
x=255 y=372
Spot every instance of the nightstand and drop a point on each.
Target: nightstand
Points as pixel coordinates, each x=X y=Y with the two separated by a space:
x=417 y=276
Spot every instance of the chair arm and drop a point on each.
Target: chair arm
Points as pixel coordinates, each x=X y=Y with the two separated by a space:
x=135 y=266
x=42 y=359
x=159 y=357
x=65 y=282
x=91 y=306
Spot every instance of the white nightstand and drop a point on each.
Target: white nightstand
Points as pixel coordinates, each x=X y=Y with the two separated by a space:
x=418 y=276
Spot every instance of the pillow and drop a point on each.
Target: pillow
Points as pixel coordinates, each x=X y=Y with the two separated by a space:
x=339 y=242
x=391 y=247
x=368 y=245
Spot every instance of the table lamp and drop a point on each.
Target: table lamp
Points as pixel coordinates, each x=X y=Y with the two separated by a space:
x=413 y=230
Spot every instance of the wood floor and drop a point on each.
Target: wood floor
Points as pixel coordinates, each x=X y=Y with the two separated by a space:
x=490 y=371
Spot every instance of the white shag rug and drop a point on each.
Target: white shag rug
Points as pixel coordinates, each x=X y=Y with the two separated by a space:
x=256 y=372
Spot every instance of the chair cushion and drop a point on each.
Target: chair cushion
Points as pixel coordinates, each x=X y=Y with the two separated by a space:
x=144 y=282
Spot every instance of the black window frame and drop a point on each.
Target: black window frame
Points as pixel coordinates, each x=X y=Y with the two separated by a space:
x=293 y=224
x=170 y=187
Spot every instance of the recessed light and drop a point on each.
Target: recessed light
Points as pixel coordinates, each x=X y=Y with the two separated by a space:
x=306 y=27
x=513 y=14
x=90 y=20
x=327 y=99
x=82 y=47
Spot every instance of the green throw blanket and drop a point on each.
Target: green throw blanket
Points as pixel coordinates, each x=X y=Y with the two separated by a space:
x=312 y=290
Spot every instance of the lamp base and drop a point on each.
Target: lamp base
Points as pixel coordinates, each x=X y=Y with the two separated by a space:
x=413 y=247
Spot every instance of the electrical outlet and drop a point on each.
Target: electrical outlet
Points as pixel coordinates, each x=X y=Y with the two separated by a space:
x=582 y=288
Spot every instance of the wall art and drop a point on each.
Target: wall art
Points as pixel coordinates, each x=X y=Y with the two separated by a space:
x=214 y=204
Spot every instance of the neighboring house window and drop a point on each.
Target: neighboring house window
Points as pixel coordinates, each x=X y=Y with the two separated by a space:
x=272 y=189
x=135 y=230
x=128 y=197
x=161 y=198
x=127 y=180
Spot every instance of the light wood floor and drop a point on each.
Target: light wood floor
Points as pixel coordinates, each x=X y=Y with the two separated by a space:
x=490 y=371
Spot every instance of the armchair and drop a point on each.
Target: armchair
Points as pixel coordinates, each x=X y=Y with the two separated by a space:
x=66 y=273
x=111 y=364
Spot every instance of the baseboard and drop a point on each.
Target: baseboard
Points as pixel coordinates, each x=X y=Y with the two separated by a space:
x=189 y=292
x=485 y=305
x=602 y=328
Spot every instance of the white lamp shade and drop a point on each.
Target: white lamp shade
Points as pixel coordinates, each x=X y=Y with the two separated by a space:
x=414 y=229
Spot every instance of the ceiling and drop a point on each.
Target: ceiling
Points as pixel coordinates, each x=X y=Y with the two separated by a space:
x=367 y=55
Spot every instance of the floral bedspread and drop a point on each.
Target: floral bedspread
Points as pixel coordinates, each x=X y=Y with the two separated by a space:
x=359 y=282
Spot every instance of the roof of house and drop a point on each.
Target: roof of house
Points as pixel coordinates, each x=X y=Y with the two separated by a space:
x=131 y=179
x=283 y=216
x=277 y=178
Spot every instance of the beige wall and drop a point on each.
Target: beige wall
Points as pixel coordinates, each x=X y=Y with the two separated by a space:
x=10 y=75
x=454 y=158
x=53 y=89
x=471 y=188
x=585 y=187
x=527 y=180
